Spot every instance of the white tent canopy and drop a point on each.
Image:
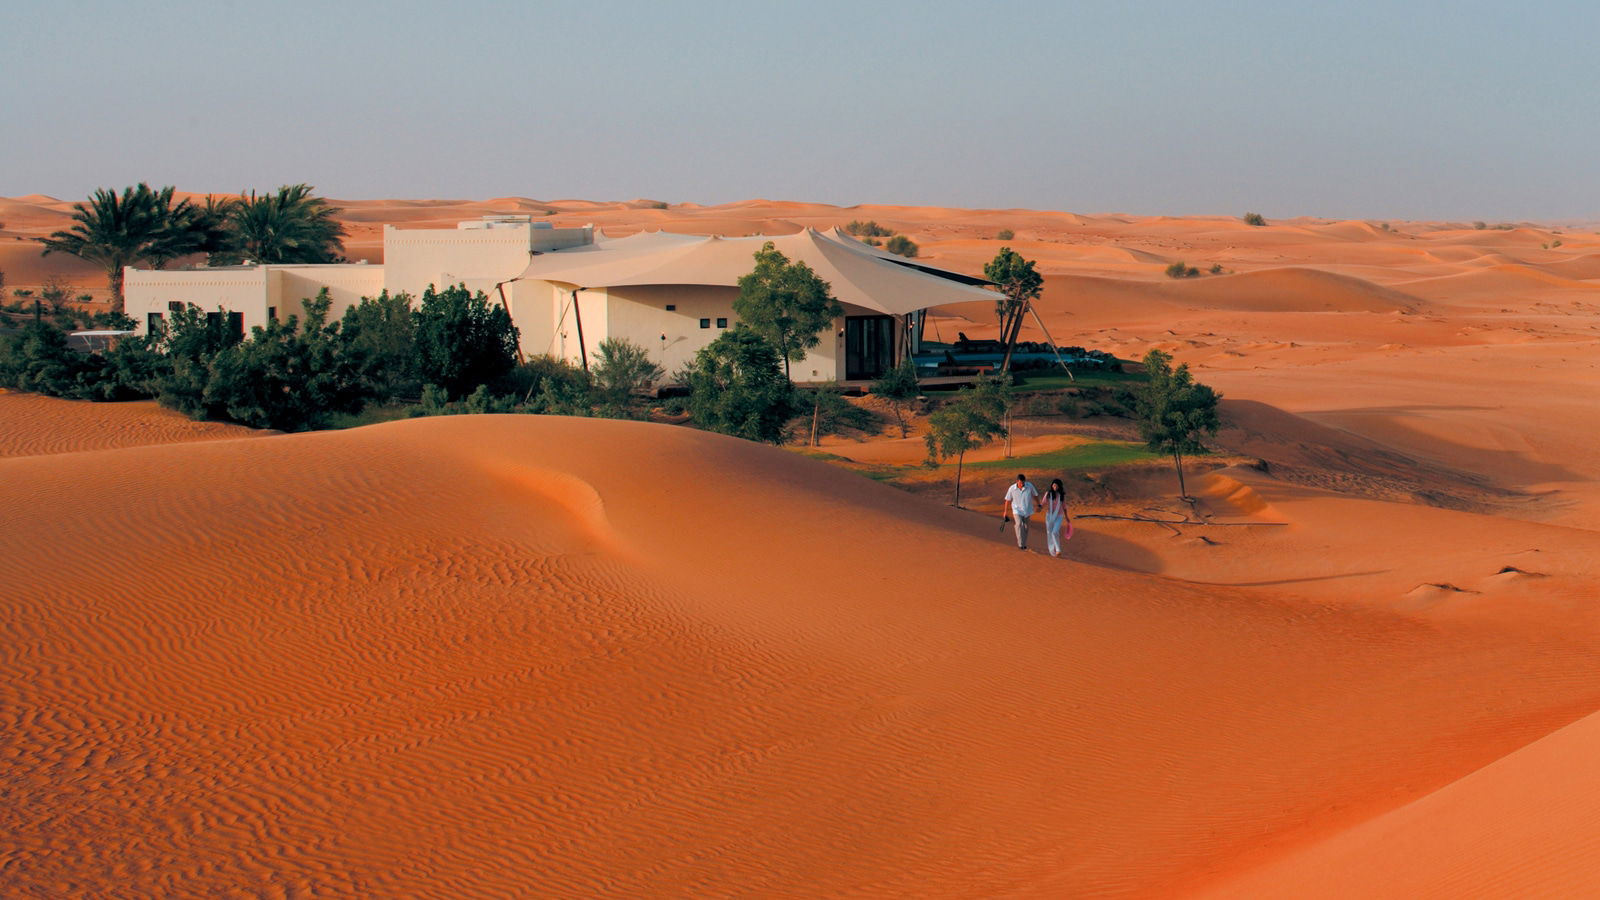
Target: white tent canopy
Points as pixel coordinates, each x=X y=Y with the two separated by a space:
x=859 y=274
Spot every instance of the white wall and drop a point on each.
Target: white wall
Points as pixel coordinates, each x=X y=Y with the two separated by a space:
x=242 y=290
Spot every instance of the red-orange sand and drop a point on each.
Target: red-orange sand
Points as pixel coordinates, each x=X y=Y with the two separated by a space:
x=528 y=656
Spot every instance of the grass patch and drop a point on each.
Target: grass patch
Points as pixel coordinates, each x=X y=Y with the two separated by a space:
x=1093 y=455
x=1046 y=380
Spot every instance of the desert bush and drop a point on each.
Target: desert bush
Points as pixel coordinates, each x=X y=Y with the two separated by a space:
x=736 y=387
x=1180 y=270
x=1480 y=225
x=1216 y=268
x=1004 y=234
x=901 y=246
x=899 y=388
x=867 y=229
x=823 y=410
x=623 y=371
x=1255 y=219
x=379 y=335
x=462 y=341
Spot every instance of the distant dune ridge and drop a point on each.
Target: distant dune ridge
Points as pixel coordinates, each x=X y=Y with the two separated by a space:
x=537 y=656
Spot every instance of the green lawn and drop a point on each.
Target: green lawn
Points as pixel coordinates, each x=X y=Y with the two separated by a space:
x=1093 y=455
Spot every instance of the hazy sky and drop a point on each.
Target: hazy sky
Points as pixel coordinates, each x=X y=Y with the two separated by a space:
x=1466 y=110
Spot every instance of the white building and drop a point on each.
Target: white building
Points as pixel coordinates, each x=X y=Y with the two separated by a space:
x=670 y=293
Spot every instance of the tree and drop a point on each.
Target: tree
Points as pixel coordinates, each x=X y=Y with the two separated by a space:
x=1254 y=219
x=622 y=371
x=831 y=413
x=285 y=377
x=191 y=343
x=899 y=387
x=902 y=246
x=785 y=303
x=463 y=341
x=379 y=335
x=1174 y=411
x=1020 y=284
x=735 y=387
x=139 y=226
x=1180 y=269
x=290 y=226
x=967 y=423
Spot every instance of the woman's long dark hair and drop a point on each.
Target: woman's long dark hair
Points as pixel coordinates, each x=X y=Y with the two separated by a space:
x=1056 y=491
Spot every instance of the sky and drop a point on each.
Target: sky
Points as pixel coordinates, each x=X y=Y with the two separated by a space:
x=1395 y=110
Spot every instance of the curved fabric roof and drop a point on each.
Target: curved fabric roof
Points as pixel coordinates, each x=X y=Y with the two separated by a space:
x=859 y=274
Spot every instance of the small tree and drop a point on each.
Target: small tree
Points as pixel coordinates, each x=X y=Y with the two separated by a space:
x=785 y=303
x=622 y=371
x=867 y=229
x=463 y=341
x=285 y=377
x=379 y=337
x=1174 y=411
x=1254 y=219
x=735 y=387
x=1005 y=234
x=56 y=292
x=902 y=246
x=1020 y=284
x=1181 y=270
x=966 y=423
x=898 y=387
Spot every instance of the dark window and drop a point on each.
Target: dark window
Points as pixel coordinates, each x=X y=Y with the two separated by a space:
x=154 y=323
x=672 y=307
x=722 y=323
x=236 y=325
x=272 y=314
x=705 y=323
x=174 y=306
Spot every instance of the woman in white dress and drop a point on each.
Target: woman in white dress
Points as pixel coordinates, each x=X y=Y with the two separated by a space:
x=1055 y=514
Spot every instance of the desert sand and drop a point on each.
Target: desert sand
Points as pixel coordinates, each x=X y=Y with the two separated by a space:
x=530 y=656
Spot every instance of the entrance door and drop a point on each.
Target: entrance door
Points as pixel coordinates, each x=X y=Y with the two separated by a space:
x=868 y=346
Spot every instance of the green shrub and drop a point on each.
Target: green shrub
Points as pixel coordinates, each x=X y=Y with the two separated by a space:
x=737 y=388
x=1255 y=219
x=902 y=246
x=1180 y=270
x=867 y=229
x=462 y=341
x=379 y=335
x=1216 y=268
x=1004 y=234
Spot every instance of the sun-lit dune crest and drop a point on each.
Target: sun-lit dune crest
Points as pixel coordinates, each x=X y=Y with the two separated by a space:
x=32 y=425
x=1527 y=825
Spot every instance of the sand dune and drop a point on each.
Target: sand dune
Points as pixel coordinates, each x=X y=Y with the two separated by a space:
x=494 y=663
x=498 y=656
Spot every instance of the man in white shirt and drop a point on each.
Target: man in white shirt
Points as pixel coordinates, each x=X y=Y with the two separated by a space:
x=1020 y=498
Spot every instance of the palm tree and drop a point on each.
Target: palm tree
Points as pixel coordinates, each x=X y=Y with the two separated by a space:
x=291 y=226
x=138 y=226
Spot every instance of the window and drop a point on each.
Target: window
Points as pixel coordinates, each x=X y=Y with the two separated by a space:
x=154 y=323
x=174 y=306
x=722 y=323
x=272 y=314
x=672 y=307
x=705 y=323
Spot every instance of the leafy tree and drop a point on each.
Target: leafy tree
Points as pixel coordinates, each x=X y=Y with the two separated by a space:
x=1020 y=284
x=463 y=341
x=290 y=226
x=1174 y=411
x=902 y=246
x=379 y=335
x=967 y=423
x=1255 y=219
x=139 y=226
x=735 y=387
x=191 y=342
x=285 y=377
x=898 y=387
x=622 y=371
x=785 y=303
